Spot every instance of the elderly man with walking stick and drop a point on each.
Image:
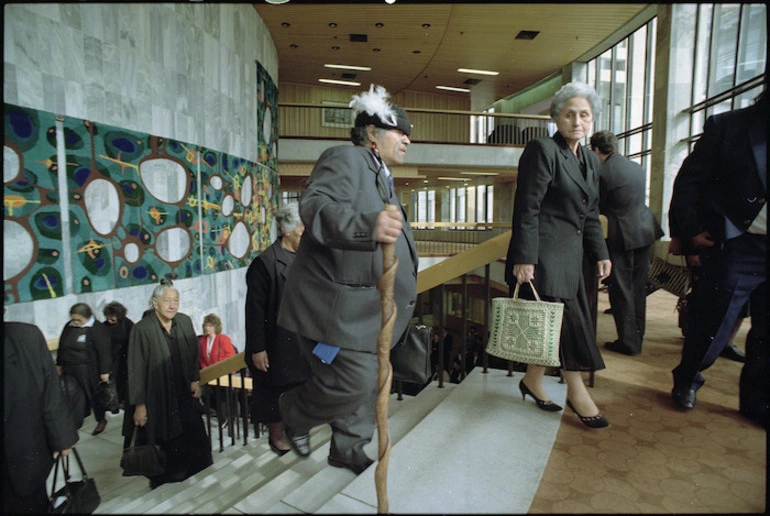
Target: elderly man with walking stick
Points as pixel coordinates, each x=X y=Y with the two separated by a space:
x=332 y=300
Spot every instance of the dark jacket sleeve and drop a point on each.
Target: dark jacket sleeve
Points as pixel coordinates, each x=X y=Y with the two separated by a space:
x=100 y=339
x=258 y=297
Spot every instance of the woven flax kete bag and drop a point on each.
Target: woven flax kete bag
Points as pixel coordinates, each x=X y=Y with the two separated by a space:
x=525 y=331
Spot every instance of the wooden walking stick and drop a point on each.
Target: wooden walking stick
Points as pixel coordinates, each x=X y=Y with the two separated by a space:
x=385 y=371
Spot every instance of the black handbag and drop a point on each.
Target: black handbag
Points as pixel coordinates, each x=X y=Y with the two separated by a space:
x=411 y=356
x=107 y=396
x=146 y=460
x=76 y=496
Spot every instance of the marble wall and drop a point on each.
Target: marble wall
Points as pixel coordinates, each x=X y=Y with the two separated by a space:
x=186 y=72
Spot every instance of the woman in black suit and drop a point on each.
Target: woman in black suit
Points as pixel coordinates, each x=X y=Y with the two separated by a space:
x=272 y=353
x=556 y=221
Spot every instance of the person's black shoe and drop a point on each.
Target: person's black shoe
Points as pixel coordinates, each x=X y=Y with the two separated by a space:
x=608 y=311
x=299 y=443
x=732 y=352
x=684 y=398
x=100 y=427
x=355 y=468
x=619 y=348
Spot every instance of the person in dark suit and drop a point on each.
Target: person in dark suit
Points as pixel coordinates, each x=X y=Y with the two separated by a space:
x=164 y=388
x=37 y=421
x=119 y=326
x=631 y=231
x=331 y=300
x=84 y=359
x=719 y=203
x=556 y=222
x=272 y=353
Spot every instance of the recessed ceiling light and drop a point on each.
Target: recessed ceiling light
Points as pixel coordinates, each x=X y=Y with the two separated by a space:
x=343 y=83
x=478 y=72
x=332 y=25
x=479 y=173
x=350 y=67
x=454 y=178
x=451 y=88
x=293 y=45
x=335 y=48
x=285 y=24
x=426 y=25
x=527 y=34
x=276 y=2
x=375 y=50
x=416 y=51
x=379 y=25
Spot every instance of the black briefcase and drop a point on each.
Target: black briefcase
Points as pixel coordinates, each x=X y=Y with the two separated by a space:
x=411 y=356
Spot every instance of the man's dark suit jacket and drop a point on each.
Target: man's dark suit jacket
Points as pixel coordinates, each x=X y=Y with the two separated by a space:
x=622 y=190
x=555 y=217
x=36 y=419
x=725 y=176
x=331 y=292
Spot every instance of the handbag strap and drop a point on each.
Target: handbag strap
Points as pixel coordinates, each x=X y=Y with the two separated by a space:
x=80 y=463
x=531 y=285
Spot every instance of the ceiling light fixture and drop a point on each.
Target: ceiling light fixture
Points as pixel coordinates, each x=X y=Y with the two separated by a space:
x=350 y=67
x=390 y=2
x=453 y=178
x=276 y=2
x=379 y=25
x=343 y=83
x=479 y=173
x=451 y=88
x=478 y=72
x=332 y=24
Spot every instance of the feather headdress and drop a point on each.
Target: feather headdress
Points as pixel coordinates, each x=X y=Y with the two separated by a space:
x=375 y=103
x=373 y=107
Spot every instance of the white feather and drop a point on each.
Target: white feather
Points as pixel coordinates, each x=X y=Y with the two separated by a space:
x=374 y=102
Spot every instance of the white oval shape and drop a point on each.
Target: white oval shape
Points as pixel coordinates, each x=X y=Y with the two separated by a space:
x=228 y=204
x=103 y=207
x=216 y=182
x=238 y=243
x=11 y=164
x=166 y=180
x=267 y=125
x=172 y=244
x=131 y=253
x=16 y=237
x=246 y=191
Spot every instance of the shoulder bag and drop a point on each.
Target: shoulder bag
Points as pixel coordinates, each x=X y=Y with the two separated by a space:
x=525 y=331
x=76 y=496
x=147 y=459
x=411 y=356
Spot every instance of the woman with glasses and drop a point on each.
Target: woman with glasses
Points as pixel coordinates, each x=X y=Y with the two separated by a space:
x=164 y=388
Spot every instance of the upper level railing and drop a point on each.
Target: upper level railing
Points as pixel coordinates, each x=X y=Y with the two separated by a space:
x=429 y=125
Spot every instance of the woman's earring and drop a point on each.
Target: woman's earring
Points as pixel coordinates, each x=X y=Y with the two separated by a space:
x=374 y=149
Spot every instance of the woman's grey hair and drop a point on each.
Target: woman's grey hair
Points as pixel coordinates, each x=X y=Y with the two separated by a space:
x=575 y=89
x=165 y=284
x=287 y=218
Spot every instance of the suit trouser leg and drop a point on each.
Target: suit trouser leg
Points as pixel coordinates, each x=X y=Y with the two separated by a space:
x=641 y=271
x=754 y=384
x=341 y=394
x=622 y=297
x=728 y=278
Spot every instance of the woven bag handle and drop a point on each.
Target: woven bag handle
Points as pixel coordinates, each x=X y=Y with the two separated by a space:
x=516 y=290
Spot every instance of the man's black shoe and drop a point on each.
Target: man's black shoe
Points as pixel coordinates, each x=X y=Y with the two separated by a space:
x=608 y=311
x=684 y=398
x=619 y=348
x=355 y=468
x=732 y=352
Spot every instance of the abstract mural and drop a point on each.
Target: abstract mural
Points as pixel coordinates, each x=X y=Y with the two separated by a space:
x=140 y=207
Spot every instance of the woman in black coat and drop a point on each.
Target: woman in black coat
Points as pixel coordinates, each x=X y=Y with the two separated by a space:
x=555 y=223
x=84 y=359
x=164 y=388
x=272 y=354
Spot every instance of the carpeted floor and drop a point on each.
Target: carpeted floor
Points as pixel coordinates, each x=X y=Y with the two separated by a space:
x=655 y=458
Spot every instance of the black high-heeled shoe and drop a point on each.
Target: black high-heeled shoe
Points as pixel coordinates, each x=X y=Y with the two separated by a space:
x=549 y=405
x=276 y=449
x=597 y=421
